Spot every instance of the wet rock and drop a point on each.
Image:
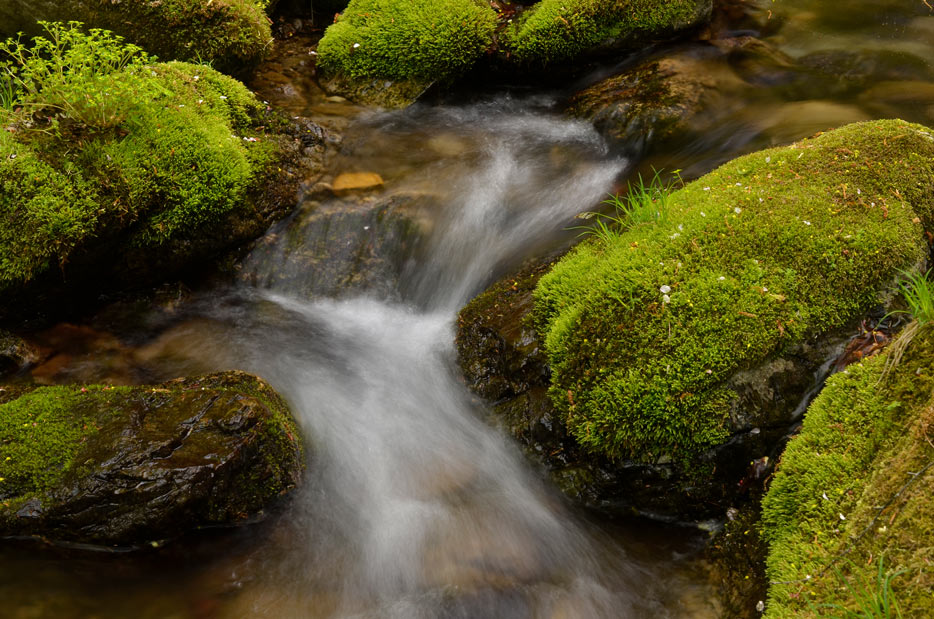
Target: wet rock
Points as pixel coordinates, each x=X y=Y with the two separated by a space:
x=502 y=359
x=81 y=354
x=15 y=353
x=340 y=247
x=356 y=181
x=129 y=465
x=838 y=72
x=662 y=98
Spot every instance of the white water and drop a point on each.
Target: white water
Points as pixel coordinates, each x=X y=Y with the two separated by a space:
x=422 y=508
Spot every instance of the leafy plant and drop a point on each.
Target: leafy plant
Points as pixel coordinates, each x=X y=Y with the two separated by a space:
x=93 y=78
x=643 y=204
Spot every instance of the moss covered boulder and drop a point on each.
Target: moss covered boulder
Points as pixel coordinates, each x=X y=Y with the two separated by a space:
x=557 y=30
x=229 y=34
x=130 y=465
x=678 y=351
x=123 y=170
x=849 y=518
x=390 y=51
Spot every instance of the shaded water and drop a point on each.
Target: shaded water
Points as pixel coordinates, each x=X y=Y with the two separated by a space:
x=414 y=506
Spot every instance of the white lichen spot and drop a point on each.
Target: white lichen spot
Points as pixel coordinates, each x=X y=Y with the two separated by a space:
x=807 y=223
x=666 y=299
x=737 y=210
x=665 y=289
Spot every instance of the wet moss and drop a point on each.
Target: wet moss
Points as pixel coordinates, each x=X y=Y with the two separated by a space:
x=40 y=435
x=852 y=493
x=556 y=30
x=643 y=333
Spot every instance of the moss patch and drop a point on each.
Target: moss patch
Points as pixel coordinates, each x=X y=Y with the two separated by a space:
x=857 y=480
x=643 y=332
x=42 y=431
x=418 y=40
x=555 y=30
x=229 y=34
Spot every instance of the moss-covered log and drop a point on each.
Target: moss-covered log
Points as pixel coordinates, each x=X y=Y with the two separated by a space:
x=130 y=465
x=644 y=332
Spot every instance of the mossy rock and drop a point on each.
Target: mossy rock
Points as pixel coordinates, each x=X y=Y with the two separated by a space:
x=503 y=359
x=229 y=34
x=390 y=51
x=850 y=505
x=558 y=30
x=131 y=465
x=645 y=332
x=403 y=46
x=131 y=190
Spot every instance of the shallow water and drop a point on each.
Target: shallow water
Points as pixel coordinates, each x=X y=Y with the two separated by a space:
x=414 y=505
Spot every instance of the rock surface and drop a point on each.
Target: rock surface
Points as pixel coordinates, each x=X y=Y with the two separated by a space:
x=15 y=353
x=130 y=465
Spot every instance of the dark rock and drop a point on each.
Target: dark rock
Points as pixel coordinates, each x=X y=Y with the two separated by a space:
x=340 y=247
x=680 y=94
x=149 y=463
x=502 y=359
x=15 y=353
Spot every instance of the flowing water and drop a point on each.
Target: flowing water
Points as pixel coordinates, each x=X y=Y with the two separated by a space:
x=414 y=505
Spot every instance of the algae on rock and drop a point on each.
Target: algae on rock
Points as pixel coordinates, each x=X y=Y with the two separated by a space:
x=644 y=333
x=130 y=465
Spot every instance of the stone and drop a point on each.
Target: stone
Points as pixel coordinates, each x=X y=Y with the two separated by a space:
x=15 y=353
x=356 y=181
x=128 y=466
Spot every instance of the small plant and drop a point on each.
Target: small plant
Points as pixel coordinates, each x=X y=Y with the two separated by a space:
x=918 y=292
x=867 y=600
x=92 y=78
x=643 y=204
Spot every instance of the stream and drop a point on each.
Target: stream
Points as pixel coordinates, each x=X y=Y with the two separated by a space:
x=414 y=504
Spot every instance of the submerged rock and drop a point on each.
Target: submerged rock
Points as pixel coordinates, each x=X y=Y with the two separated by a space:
x=676 y=95
x=340 y=247
x=130 y=465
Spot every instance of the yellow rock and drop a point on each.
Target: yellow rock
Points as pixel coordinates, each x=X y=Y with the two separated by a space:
x=353 y=181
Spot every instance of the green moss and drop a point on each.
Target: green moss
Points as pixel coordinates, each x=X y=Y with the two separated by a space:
x=420 y=40
x=179 y=147
x=768 y=250
x=40 y=434
x=226 y=33
x=556 y=30
x=853 y=489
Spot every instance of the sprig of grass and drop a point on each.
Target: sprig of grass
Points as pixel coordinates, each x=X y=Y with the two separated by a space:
x=918 y=292
x=872 y=600
x=643 y=204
